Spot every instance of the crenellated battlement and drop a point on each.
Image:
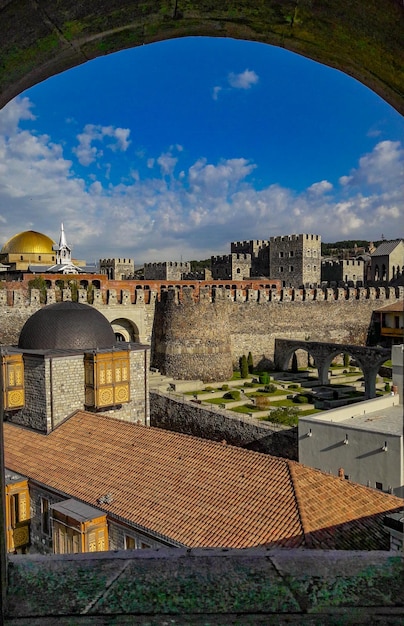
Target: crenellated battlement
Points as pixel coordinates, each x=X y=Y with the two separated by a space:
x=207 y=293
x=164 y=264
x=300 y=237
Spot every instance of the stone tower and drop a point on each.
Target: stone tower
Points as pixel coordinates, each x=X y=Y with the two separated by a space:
x=192 y=338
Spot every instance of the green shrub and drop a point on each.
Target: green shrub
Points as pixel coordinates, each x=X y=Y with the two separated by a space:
x=39 y=283
x=295 y=368
x=264 y=378
x=243 y=367
x=270 y=388
x=387 y=387
x=293 y=386
x=250 y=363
x=346 y=359
x=300 y=399
x=224 y=387
x=208 y=389
x=284 y=415
x=248 y=384
x=234 y=394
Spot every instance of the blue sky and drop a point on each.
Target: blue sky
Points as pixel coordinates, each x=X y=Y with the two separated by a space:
x=173 y=150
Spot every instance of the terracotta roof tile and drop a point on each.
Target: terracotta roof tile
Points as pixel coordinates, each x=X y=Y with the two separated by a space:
x=198 y=492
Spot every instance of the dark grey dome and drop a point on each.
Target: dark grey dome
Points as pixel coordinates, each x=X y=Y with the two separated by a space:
x=67 y=326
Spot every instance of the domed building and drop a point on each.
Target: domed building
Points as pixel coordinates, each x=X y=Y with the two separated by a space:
x=31 y=251
x=26 y=249
x=67 y=360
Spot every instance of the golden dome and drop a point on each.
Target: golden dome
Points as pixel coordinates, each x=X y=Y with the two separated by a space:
x=28 y=242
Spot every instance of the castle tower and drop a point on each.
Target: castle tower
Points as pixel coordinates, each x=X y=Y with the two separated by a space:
x=191 y=340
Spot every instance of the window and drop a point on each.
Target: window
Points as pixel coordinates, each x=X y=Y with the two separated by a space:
x=144 y=546
x=130 y=543
x=281 y=255
x=379 y=486
x=309 y=267
x=308 y=253
x=314 y=253
x=107 y=378
x=281 y=269
x=45 y=526
x=291 y=253
x=13 y=381
x=291 y=268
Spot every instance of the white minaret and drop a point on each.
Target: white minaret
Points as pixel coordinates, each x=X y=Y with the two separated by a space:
x=63 y=251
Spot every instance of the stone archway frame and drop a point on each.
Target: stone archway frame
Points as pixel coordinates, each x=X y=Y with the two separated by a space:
x=362 y=39
x=282 y=361
x=126 y=328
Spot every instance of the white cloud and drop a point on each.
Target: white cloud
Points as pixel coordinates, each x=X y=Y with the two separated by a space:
x=15 y=111
x=381 y=167
x=244 y=80
x=320 y=188
x=87 y=153
x=192 y=210
x=216 y=90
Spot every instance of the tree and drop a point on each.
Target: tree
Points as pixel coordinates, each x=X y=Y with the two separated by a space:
x=250 y=363
x=346 y=359
x=295 y=369
x=39 y=283
x=243 y=367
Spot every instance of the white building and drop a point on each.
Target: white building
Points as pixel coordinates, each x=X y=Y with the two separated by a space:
x=361 y=442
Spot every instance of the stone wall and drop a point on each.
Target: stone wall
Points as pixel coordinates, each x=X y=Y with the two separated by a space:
x=254 y=326
x=206 y=587
x=187 y=417
x=191 y=340
x=201 y=332
x=55 y=388
x=41 y=542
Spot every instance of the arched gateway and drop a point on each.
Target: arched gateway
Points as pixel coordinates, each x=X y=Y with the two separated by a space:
x=364 y=40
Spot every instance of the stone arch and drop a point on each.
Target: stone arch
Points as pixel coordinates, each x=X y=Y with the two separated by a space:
x=334 y=353
x=284 y=362
x=40 y=40
x=125 y=330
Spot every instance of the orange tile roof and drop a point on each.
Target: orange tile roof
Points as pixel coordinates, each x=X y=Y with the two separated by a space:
x=395 y=306
x=198 y=492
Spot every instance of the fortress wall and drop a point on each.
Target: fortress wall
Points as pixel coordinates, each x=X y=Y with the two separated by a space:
x=254 y=326
x=184 y=416
x=12 y=319
x=209 y=330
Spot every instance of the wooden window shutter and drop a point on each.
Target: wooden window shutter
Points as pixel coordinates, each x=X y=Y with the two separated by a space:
x=108 y=383
x=13 y=381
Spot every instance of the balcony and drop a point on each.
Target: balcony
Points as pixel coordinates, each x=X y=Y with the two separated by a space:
x=386 y=331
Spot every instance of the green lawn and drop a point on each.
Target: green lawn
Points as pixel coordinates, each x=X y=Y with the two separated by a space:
x=284 y=403
x=245 y=408
x=278 y=392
